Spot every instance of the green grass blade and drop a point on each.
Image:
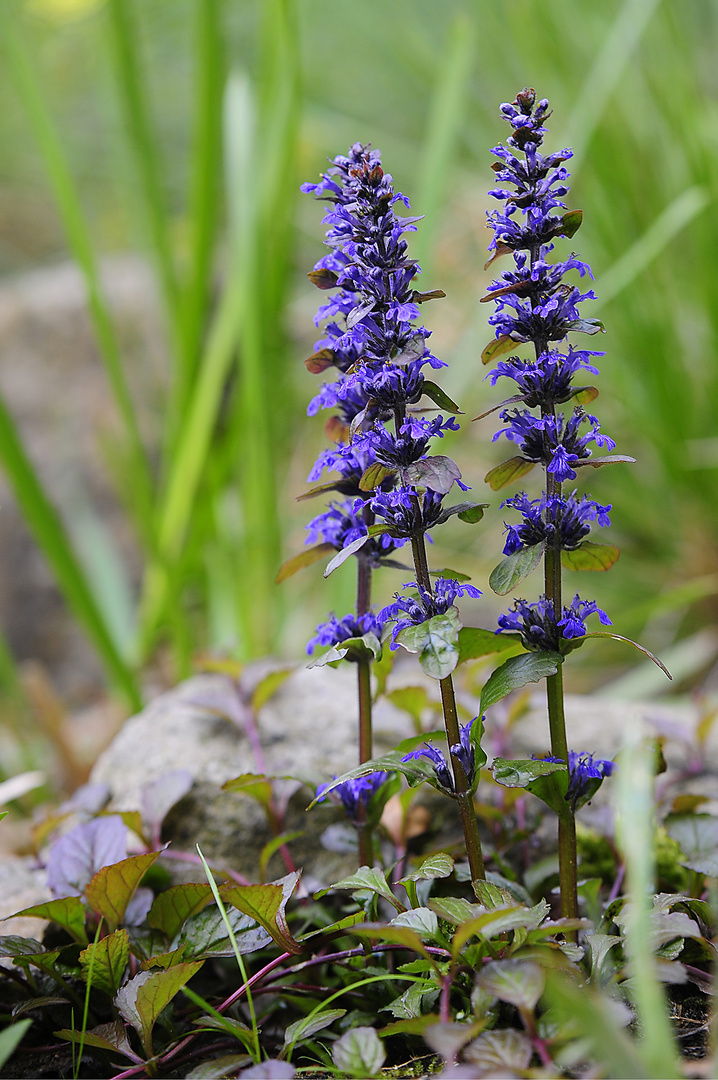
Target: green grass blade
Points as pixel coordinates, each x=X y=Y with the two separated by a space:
x=591 y=103
x=143 y=141
x=684 y=208
x=50 y=534
x=444 y=127
x=34 y=102
x=205 y=177
x=635 y=800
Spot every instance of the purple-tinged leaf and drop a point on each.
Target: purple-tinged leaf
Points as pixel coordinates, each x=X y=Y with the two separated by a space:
x=111 y=1036
x=221 y=1067
x=344 y=554
x=320 y=361
x=266 y=904
x=447 y=1038
x=422 y=297
x=68 y=912
x=500 y=345
x=12 y=945
x=271 y=1069
x=92 y=798
x=319 y=489
x=112 y=887
x=437 y=472
x=499 y=251
x=501 y=405
x=267 y=687
x=160 y=795
x=359 y=1052
x=138 y=907
x=505 y=1051
x=507 y=472
x=104 y=961
x=323 y=278
x=80 y=853
x=304 y=558
x=584 y=395
x=141 y=1000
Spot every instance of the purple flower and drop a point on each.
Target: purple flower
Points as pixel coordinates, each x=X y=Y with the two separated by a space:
x=586 y=774
x=410 y=445
x=334 y=630
x=408 y=513
x=547 y=381
x=463 y=751
x=552 y=440
x=355 y=795
x=343 y=523
x=543 y=517
x=413 y=611
x=539 y=627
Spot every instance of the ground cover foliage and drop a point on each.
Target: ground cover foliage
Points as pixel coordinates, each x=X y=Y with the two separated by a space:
x=482 y=952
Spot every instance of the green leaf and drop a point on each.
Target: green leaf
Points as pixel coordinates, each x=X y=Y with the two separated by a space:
x=641 y=648
x=420 y=919
x=498 y=347
x=367 y=647
x=514 y=568
x=417 y=770
x=518 y=982
x=590 y=556
x=518 y=671
x=570 y=223
x=105 y=961
x=172 y=907
x=473 y=513
x=220 y=1068
x=474 y=642
x=111 y=889
x=266 y=904
x=368 y=879
x=607 y=459
x=68 y=912
x=697 y=837
x=586 y=326
x=310 y=1025
x=11 y=1038
x=412 y=699
x=439 y=397
x=507 y=472
x=437 y=472
x=255 y=785
x=204 y=935
x=359 y=1052
x=345 y=553
x=267 y=687
x=319 y=489
x=584 y=395
x=440 y=865
x=491 y=924
x=523 y=771
x=372 y=477
x=304 y=558
x=455 y=909
x=12 y=945
x=396 y=935
x=141 y=1000
x=273 y=846
x=437 y=641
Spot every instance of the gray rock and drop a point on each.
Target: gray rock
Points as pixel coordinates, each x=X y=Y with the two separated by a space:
x=22 y=885
x=306 y=730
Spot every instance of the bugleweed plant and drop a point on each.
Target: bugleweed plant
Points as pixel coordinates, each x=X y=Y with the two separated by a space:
x=415 y=960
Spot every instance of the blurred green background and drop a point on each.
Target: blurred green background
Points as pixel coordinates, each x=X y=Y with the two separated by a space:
x=180 y=130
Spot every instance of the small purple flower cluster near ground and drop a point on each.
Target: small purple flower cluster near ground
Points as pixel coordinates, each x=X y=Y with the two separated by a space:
x=583 y=773
x=534 y=303
x=355 y=795
x=463 y=751
x=379 y=352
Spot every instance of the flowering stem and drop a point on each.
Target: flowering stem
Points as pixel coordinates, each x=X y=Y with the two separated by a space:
x=366 y=846
x=451 y=722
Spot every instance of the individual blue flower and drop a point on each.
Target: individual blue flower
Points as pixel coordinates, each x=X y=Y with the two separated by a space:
x=408 y=513
x=355 y=795
x=463 y=751
x=334 y=631
x=539 y=628
x=413 y=611
x=343 y=523
x=542 y=518
x=586 y=774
